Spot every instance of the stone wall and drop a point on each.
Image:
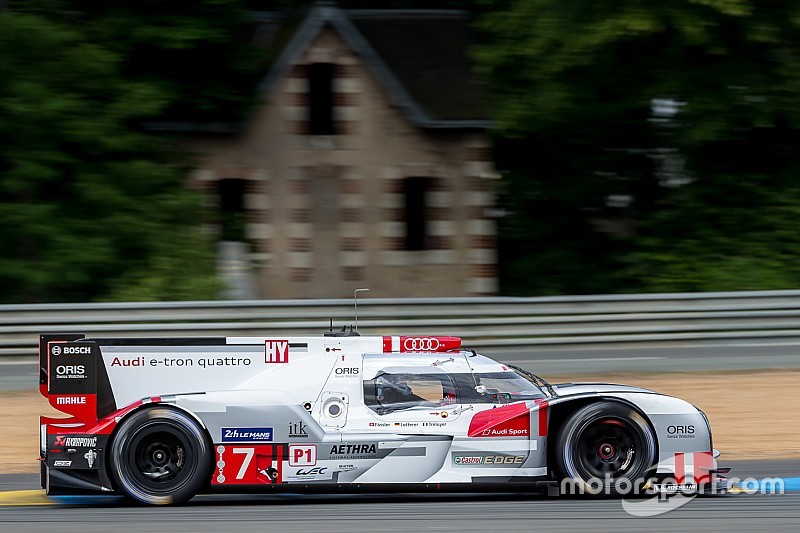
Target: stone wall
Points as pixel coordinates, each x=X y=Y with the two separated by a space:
x=326 y=214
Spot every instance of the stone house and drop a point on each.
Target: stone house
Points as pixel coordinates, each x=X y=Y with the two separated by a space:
x=366 y=162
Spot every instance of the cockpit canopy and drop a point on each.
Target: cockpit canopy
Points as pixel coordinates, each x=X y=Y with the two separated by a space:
x=400 y=388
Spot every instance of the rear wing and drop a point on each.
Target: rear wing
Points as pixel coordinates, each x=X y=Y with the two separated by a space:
x=69 y=368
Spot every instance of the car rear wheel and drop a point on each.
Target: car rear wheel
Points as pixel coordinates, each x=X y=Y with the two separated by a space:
x=160 y=456
x=606 y=448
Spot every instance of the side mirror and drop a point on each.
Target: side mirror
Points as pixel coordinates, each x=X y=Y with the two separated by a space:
x=480 y=389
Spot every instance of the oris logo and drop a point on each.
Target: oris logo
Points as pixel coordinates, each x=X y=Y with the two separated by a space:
x=419 y=344
x=680 y=432
x=70 y=370
x=343 y=371
x=55 y=350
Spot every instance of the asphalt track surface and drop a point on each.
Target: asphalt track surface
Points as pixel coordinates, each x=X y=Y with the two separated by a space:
x=421 y=512
x=482 y=512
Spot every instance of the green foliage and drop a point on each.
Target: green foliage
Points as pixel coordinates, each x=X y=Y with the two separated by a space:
x=546 y=246
x=197 y=54
x=86 y=200
x=177 y=270
x=713 y=179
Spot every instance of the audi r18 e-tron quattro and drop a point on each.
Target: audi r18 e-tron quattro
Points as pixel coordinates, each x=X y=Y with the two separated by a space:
x=160 y=420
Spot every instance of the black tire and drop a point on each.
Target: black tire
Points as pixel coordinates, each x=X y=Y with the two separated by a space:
x=160 y=456
x=606 y=448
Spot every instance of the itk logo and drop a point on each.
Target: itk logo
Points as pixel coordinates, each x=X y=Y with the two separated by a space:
x=298 y=430
x=276 y=351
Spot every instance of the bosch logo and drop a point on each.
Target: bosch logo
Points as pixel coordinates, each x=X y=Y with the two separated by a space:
x=419 y=344
x=55 y=350
x=77 y=350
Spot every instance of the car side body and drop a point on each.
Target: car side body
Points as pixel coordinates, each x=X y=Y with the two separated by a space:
x=160 y=420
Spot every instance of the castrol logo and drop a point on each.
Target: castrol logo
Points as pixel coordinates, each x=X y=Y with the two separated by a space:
x=419 y=344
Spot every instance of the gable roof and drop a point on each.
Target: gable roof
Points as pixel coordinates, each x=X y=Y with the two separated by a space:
x=419 y=58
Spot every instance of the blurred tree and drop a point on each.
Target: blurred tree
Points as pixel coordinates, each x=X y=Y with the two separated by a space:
x=90 y=207
x=198 y=55
x=652 y=144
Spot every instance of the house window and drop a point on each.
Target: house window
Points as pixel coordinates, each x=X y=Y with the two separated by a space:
x=415 y=190
x=320 y=99
x=231 y=204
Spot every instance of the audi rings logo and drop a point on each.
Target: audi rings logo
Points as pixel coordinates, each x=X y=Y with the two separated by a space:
x=55 y=350
x=418 y=344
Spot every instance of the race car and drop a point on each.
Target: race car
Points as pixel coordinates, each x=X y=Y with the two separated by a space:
x=160 y=420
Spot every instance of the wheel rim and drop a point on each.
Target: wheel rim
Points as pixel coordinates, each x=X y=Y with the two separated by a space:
x=158 y=459
x=609 y=448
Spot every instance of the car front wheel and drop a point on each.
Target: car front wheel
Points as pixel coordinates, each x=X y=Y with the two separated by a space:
x=605 y=448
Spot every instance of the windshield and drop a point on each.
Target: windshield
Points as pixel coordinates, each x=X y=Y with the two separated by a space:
x=538 y=381
x=495 y=387
x=395 y=391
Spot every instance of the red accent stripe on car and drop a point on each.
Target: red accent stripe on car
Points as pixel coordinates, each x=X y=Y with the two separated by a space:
x=279 y=451
x=680 y=469
x=544 y=407
x=511 y=420
x=703 y=462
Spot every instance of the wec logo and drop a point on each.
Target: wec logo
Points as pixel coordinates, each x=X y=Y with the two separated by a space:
x=312 y=471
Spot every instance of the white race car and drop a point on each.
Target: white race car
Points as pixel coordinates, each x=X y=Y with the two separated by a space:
x=162 y=419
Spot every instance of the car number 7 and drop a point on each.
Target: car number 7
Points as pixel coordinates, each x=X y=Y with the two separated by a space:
x=249 y=453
